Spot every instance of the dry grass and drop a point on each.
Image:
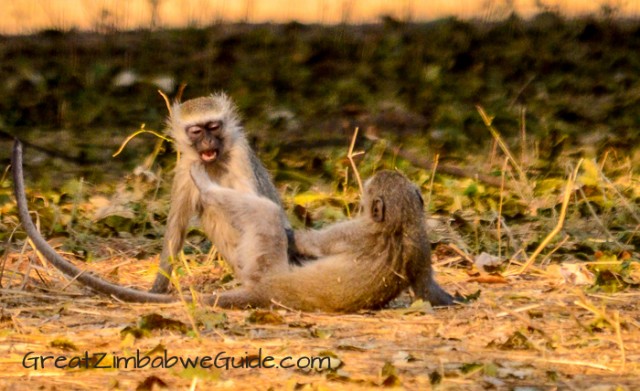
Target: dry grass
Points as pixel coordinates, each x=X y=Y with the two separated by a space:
x=535 y=330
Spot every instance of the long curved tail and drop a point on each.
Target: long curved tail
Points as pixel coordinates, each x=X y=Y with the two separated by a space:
x=95 y=283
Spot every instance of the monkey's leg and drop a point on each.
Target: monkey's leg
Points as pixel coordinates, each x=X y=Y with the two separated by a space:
x=260 y=241
x=165 y=268
x=181 y=211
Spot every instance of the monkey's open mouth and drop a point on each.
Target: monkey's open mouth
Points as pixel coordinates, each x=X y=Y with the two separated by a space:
x=209 y=156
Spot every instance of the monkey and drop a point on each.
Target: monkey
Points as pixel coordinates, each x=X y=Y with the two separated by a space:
x=361 y=263
x=207 y=130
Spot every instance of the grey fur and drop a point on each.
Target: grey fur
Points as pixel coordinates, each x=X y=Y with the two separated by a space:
x=361 y=263
x=237 y=167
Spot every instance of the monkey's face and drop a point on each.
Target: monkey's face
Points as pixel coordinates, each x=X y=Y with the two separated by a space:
x=206 y=138
x=205 y=128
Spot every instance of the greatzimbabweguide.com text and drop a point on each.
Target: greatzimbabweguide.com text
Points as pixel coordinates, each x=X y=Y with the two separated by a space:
x=139 y=360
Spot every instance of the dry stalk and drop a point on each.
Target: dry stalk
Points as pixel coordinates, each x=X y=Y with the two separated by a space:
x=71 y=281
x=556 y=248
x=433 y=176
x=167 y=101
x=492 y=155
x=505 y=149
x=351 y=155
x=33 y=246
x=180 y=91
x=596 y=218
x=614 y=322
x=531 y=269
x=529 y=325
x=43 y=261
x=523 y=135
x=517 y=310
x=623 y=356
x=574 y=362
x=5 y=257
x=212 y=256
x=624 y=200
x=461 y=252
x=136 y=133
x=5 y=173
x=499 y=226
x=448 y=261
x=185 y=263
x=279 y=304
x=158 y=146
x=187 y=306
x=563 y=213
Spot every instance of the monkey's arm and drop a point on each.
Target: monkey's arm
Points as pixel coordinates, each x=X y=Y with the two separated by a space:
x=183 y=207
x=336 y=238
x=420 y=272
x=426 y=288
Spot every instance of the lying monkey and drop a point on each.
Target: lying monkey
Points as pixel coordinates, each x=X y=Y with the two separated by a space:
x=362 y=263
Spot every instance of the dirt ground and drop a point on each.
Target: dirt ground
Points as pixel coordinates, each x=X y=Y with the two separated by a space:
x=534 y=332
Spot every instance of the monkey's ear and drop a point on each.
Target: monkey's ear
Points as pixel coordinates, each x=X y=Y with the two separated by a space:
x=377 y=210
x=420 y=197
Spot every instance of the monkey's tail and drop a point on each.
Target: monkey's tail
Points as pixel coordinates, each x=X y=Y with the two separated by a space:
x=96 y=283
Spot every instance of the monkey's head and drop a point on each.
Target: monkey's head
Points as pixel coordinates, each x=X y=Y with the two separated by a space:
x=391 y=200
x=205 y=128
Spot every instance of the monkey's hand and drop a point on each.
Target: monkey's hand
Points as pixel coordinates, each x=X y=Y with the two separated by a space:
x=201 y=178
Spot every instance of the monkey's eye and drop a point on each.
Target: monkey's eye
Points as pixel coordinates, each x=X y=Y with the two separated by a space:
x=194 y=131
x=214 y=125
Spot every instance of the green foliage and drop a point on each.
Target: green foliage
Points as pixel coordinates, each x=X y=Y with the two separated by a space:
x=614 y=274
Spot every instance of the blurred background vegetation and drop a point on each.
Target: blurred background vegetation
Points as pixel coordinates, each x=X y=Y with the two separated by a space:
x=79 y=94
x=558 y=88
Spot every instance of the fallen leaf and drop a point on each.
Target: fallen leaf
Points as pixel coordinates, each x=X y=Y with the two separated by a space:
x=489 y=279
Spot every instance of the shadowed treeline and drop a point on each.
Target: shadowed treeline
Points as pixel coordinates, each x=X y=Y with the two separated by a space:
x=576 y=78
